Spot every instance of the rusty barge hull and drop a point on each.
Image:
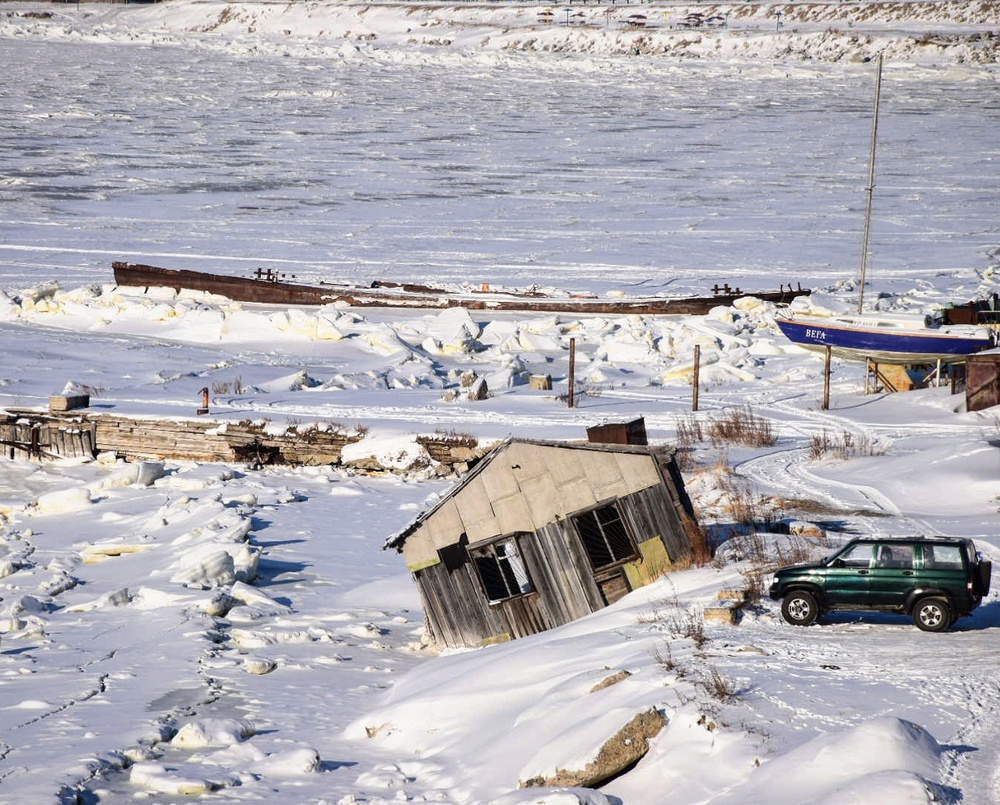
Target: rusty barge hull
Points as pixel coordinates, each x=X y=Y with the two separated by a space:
x=382 y=295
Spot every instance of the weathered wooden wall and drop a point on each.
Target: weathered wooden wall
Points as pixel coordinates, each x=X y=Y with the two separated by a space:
x=982 y=384
x=660 y=511
x=25 y=439
x=565 y=585
x=456 y=608
x=532 y=485
x=199 y=439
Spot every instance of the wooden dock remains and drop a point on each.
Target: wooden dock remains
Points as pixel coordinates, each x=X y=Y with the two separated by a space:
x=30 y=434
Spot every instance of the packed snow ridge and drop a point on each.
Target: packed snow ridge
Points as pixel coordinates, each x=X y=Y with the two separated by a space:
x=918 y=32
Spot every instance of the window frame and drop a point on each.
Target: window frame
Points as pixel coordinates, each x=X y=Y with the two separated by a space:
x=507 y=568
x=627 y=532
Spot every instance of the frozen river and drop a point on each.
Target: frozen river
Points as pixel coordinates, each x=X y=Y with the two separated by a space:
x=632 y=175
x=628 y=174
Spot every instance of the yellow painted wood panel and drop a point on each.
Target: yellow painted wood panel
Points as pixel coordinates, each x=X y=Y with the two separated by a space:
x=653 y=564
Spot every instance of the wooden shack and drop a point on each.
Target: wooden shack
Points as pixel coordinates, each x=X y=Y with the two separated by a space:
x=540 y=533
x=982 y=380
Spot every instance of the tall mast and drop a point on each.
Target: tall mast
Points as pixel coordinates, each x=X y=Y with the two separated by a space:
x=871 y=186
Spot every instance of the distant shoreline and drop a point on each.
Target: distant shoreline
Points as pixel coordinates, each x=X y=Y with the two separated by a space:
x=924 y=33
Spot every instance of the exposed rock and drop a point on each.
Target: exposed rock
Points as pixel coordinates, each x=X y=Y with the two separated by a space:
x=801 y=528
x=614 y=679
x=622 y=751
x=259 y=666
x=728 y=614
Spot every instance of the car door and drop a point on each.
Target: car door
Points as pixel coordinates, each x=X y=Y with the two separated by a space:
x=944 y=567
x=893 y=574
x=848 y=576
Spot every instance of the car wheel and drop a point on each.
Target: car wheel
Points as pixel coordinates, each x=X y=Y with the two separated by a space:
x=932 y=615
x=800 y=608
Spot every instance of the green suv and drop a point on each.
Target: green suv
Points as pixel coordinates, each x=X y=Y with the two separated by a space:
x=933 y=579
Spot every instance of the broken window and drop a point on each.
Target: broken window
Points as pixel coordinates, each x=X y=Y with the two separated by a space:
x=604 y=536
x=454 y=556
x=502 y=570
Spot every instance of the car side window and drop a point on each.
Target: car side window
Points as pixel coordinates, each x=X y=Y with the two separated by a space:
x=943 y=557
x=858 y=556
x=895 y=556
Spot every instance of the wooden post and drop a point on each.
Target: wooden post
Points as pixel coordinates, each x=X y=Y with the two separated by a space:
x=204 y=401
x=826 y=378
x=696 y=377
x=572 y=369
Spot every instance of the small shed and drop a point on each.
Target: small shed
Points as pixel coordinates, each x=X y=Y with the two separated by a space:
x=633 y=432
x=541 y=533
x=982 y=380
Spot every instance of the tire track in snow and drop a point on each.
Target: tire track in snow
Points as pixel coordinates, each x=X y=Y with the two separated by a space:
x=911 y=679
x=941 y=682
x=786 y=470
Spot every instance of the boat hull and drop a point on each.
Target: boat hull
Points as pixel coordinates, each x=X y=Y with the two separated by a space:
x=856 y=341
x=384 y=294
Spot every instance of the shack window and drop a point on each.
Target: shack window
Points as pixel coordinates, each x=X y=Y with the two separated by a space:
x=604 y=536
x=501 y=570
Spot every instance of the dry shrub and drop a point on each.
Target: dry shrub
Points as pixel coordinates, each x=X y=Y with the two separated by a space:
x=228 y=387
x=717 y=686
x=689 y=623
x=745 y=505
x=689 y=431
x=456 y=438
x=763 y=555
x=685 y=458
x=752 y=548
x=580 y=391
x=742 y=426
x=799 y=550
x=845 y=446
x=254 y=425
x=664 y=657
x=698 y=539
x=754 y=585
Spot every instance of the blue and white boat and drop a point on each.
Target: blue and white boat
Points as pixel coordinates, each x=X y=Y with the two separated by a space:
x=884 y=337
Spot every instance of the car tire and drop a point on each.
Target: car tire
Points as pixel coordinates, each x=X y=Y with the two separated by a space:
x=932 y=615
x=799 y=608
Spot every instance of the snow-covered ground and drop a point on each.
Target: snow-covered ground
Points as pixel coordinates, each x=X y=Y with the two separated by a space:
x=174 y=630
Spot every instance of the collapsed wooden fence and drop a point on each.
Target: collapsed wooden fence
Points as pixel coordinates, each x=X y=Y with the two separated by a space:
x=32 y=439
